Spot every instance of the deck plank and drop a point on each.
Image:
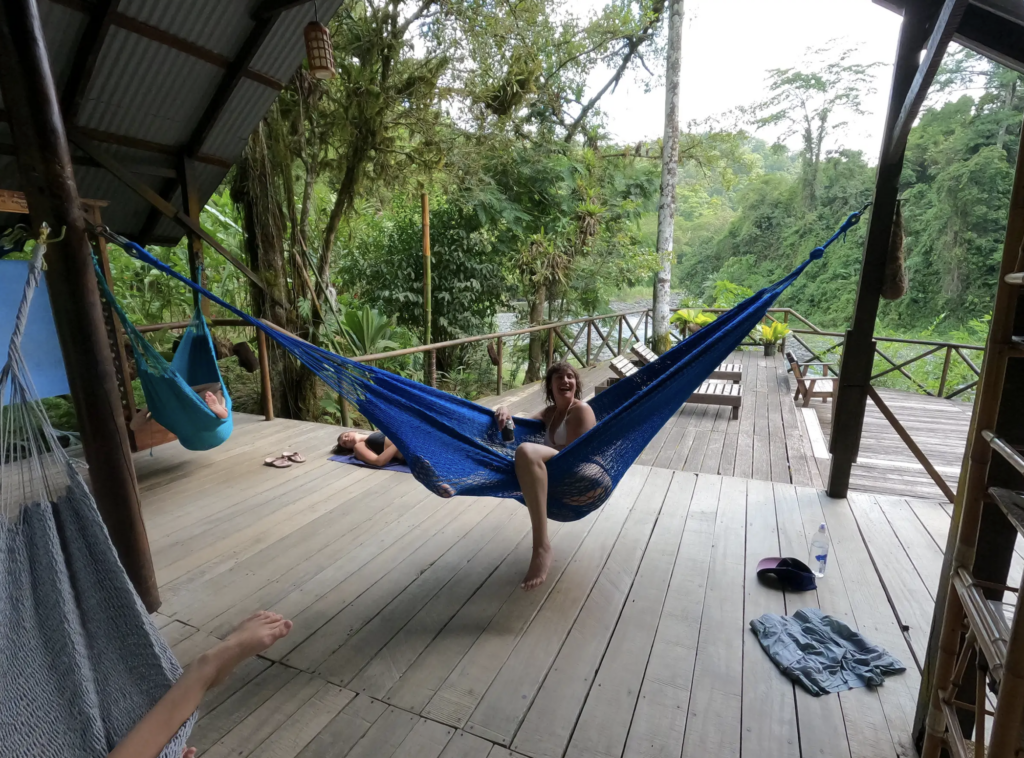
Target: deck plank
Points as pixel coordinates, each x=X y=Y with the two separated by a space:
x=659 y=719
x=713 y=720
x=769 y=708
x=488 y=687
x=823 y=732
x=603 y=726
x=503 y=712
x=873 y=617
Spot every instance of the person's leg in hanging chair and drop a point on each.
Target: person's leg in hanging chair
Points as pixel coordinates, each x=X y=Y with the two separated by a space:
x=532 y=471
x=216 y=404
x=158 y=727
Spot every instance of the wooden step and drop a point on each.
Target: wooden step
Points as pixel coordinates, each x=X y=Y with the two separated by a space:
x=1005 y=449
x=987 y=619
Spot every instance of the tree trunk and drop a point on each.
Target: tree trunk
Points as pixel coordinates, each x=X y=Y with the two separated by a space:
x=669 y=176
x=538 y=340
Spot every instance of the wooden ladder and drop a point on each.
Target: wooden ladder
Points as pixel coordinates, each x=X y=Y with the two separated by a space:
x=976 y=628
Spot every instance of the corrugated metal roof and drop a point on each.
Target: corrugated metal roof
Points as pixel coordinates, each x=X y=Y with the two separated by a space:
x=144 y=90
x=130 y=93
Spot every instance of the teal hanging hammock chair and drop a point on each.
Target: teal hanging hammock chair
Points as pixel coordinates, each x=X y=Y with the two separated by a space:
x=168 y=387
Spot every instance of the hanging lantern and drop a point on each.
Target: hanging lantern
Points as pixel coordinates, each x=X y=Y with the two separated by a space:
x=319 y=51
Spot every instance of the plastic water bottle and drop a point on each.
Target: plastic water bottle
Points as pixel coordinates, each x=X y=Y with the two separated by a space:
x=819 y=551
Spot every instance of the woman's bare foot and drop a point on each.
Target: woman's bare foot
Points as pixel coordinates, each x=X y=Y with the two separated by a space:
x=444 y=490
x=219 y=409
x=251 y=637
x=539 y=565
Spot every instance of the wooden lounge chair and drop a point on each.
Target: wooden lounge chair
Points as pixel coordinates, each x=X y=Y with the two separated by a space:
x=709 y=393
x=730 y=372
x=810 y=387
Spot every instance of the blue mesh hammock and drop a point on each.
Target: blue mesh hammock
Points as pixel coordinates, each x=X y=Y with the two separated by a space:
x=447 y=440
x=168 y=386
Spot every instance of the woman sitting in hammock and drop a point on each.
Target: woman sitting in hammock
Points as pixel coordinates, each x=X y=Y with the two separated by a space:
x=372 y=449
x=566 y=417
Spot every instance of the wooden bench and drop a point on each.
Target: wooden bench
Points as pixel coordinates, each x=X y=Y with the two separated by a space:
x=808 y=386
x=708 y=393
x=730 y=372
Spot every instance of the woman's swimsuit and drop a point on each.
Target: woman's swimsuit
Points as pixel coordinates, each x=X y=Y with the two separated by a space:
x=376 y=442
x=557 y=440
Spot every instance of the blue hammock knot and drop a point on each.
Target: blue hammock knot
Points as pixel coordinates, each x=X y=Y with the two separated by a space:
x=817 y=254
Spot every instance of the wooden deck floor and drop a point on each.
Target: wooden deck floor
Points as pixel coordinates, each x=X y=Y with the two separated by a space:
x=411 y=637
x=885 y=464
x=778 y=441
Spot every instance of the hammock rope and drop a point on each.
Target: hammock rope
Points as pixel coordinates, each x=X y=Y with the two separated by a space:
x=168 y=386
x=80 y=660
x=453 y=445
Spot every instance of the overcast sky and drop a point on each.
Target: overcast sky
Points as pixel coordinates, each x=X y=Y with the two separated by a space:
x=728 y=48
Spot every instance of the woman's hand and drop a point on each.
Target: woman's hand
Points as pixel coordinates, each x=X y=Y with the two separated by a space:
x=501 y=416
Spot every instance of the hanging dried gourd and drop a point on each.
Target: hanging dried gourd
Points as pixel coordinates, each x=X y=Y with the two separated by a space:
x=894 y=285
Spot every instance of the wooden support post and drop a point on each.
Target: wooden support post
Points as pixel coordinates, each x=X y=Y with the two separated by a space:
x=590 y=325
x=501 y=364
x=785 y=320
x=266 y=393
x=346 y=416
x=44 y=165
x=430 y=369
x=858 y=355
x=192 y=209
x=619 y=350
x=945 y=371
x=551 y=346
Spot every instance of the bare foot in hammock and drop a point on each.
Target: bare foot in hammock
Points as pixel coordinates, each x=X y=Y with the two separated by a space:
x=219 y=409
x=539 y=565
x=251 y=637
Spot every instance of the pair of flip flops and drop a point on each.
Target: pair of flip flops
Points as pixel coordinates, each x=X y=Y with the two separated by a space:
x=284 y=460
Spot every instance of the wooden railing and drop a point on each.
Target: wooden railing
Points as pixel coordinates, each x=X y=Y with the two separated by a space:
x=596 y=329
x=931 y=347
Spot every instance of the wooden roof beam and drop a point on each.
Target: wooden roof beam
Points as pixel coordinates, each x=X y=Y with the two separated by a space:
x=945 y=27
x=274 y=7
x=86 y=56
x=991 y=35
x=151 y=197
x=228 y=84
x=182 y=45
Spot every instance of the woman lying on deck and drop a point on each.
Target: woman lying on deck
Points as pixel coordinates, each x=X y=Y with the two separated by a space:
x=566 y=417
x=372 y=449
x=158 y=727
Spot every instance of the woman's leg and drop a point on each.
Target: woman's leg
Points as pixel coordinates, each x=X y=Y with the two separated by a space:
x=532 y=471
x=254 y=635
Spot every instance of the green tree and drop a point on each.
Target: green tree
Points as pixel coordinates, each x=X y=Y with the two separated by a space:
x=812 y=101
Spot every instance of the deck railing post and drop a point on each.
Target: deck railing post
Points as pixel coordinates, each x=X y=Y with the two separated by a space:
x=945 y=371
x=346 y=417
x=619 y=351
x=785 y=320
x=590 y=325
x=501 y=363
x=551 y=346
x=266 y=394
